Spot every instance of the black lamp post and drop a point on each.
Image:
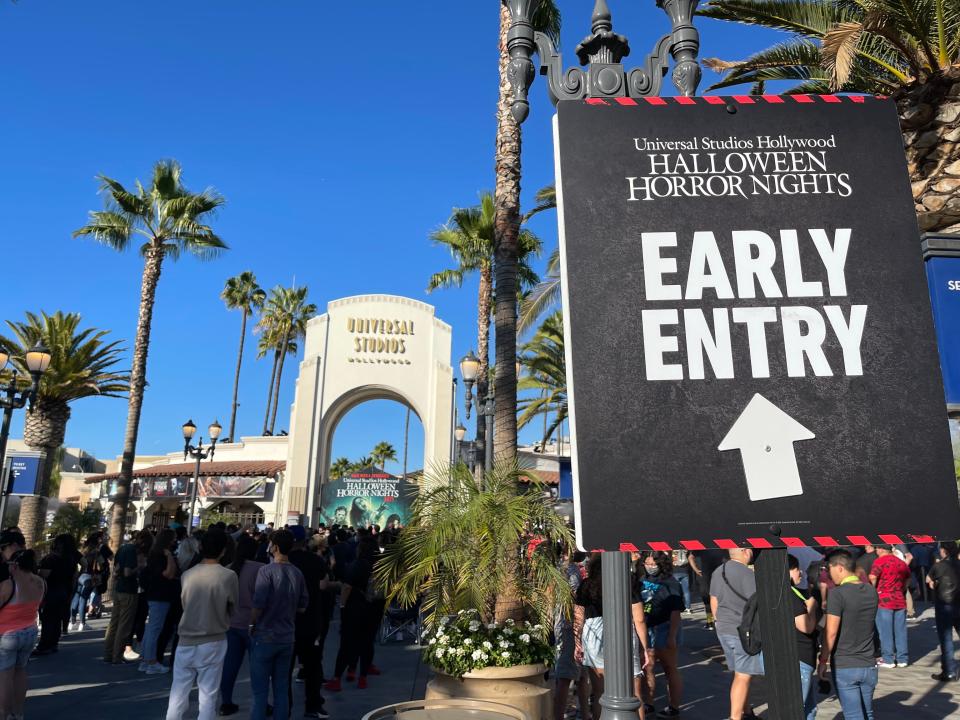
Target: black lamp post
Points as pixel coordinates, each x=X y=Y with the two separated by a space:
x=37 y=360
x=605 y=77
x=469 y=369
x=198 y=453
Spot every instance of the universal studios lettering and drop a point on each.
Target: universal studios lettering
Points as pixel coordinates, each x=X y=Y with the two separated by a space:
x=380 y=335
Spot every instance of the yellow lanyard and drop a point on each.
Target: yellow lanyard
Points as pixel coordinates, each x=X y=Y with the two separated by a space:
x=850 y=579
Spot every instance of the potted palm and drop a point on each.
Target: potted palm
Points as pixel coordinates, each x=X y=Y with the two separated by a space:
x=478 y=556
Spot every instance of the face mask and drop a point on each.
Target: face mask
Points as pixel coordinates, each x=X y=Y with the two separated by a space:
x=652 y=572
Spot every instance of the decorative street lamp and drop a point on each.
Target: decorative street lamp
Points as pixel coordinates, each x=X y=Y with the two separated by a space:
x=37 y=360
x=605 y=77
x=601 y=51
x=470 y=369
x=198 y=453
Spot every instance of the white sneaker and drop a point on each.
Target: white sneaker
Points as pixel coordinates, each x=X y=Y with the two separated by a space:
x=70 y=627
x=886 y=665
x=82 y=627
x=131 y=656
x=157 y=669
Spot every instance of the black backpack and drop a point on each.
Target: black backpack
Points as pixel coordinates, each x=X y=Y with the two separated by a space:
x=749 y=628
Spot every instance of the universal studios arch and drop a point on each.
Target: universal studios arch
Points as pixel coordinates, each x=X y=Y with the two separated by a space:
x=366 y=347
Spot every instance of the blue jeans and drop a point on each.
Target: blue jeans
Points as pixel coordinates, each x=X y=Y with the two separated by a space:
x=683 y=577
x=855 y=687
x=948 y=619
x=156 y=614
x=270 y=665
x=892 y=627
x=807 y=691
x=78 y=608
x=238 y=645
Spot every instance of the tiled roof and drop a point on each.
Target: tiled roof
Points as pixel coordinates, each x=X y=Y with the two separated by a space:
x=547 y=477
x=229 y=467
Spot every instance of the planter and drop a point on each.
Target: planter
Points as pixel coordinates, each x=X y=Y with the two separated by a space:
x=522 y=687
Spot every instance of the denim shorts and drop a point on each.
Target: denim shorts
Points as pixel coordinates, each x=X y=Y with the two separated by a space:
x=737 y=658
x=659 y=635
x=16 y=646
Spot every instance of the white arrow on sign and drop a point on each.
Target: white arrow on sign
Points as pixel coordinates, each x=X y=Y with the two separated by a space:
x=764 y=434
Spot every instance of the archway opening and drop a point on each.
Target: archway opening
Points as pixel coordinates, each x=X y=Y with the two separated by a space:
x=375 y=457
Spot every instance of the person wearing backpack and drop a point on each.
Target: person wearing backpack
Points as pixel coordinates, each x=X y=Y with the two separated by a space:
x=732 y=585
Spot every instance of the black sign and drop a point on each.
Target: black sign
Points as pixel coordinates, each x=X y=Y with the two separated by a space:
x=749 y=334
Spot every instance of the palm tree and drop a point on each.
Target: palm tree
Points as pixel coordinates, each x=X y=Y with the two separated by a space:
x=546 y=373
x=242 y=293
x=340 y=467
x=284 y=320
x=82 y=364
x=459 y=549
x=469 y=236
x=382 y=453
x=171 y=220
x=507 y=235
x=908 y=50
x=363 y=462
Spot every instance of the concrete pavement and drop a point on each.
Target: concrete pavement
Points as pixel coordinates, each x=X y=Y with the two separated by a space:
x=75 y=684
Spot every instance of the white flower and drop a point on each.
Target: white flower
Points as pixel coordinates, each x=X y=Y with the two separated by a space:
x=433 y=641
x=444 y=639
x=505 y=654
x=492 y=626
x=525 y=638
x=487 y=645
x=459 y=652
x=468 y=641
x=439 y=652
x=476 y=654
x=484 y=657
x=474 y=626
x=508 y=632
x=504 y=644
x=444 y=620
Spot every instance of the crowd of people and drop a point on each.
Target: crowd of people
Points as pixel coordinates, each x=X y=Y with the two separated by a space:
x=850 y=606
x=200 y=604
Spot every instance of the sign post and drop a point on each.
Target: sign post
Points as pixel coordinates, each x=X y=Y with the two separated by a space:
x=748 y=329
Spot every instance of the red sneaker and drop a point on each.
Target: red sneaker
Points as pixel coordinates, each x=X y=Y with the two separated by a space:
x=350 y=676
x=333 y=685
x=373 y=670
x=362 y=683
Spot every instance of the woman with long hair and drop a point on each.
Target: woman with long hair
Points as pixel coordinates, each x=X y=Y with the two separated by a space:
x=20 y=598
x=161 y=573
x=238 y=635
x=663 y=602
x=588 y=632
x=59 y=569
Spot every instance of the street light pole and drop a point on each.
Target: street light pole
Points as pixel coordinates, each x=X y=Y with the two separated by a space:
x=37 y=360
x=605 y=77
x=198 y=453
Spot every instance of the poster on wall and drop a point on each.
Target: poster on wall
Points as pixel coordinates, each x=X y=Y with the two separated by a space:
x=367 y=497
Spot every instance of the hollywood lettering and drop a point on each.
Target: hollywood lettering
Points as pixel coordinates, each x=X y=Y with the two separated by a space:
x=706 y=335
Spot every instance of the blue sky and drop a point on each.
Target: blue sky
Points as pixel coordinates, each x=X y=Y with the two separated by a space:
x=341 y=134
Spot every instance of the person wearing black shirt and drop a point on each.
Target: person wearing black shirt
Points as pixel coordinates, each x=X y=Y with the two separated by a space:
x=307 y=628
x=662 y=597
x=161 y=590
x=806 y=616
x=944 y=580
x=59 y=569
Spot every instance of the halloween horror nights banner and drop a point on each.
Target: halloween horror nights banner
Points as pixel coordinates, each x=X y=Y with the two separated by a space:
x=748 y=327
x=367 y=497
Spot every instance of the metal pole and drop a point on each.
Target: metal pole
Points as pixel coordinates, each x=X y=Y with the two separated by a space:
x=5 y=481
x=196 y=482
x=488 y=441
x=780 y=659
x=618 y=701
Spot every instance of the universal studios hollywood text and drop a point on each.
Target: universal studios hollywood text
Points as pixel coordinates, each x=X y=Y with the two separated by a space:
x=735 y=167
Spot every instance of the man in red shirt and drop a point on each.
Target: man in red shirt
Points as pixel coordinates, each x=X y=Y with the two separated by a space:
x=890 y=576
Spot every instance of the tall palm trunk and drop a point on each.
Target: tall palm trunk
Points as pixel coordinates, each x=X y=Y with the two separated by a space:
x=930 y=119
x=273 y=377
x=152 y=265
x=276 y=392
x=406 y=442
x=484 y=302
x=236 y=377
x=506 y=230
x=44 y=430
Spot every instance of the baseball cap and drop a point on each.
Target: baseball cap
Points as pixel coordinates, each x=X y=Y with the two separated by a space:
x=9 y=537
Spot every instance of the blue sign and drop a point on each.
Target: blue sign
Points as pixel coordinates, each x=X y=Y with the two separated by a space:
x=943 y=279
x=566 y=480
x=24 y=474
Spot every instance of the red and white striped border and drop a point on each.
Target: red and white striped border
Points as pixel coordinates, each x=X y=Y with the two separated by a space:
x=799 y=99
x=772 y=542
